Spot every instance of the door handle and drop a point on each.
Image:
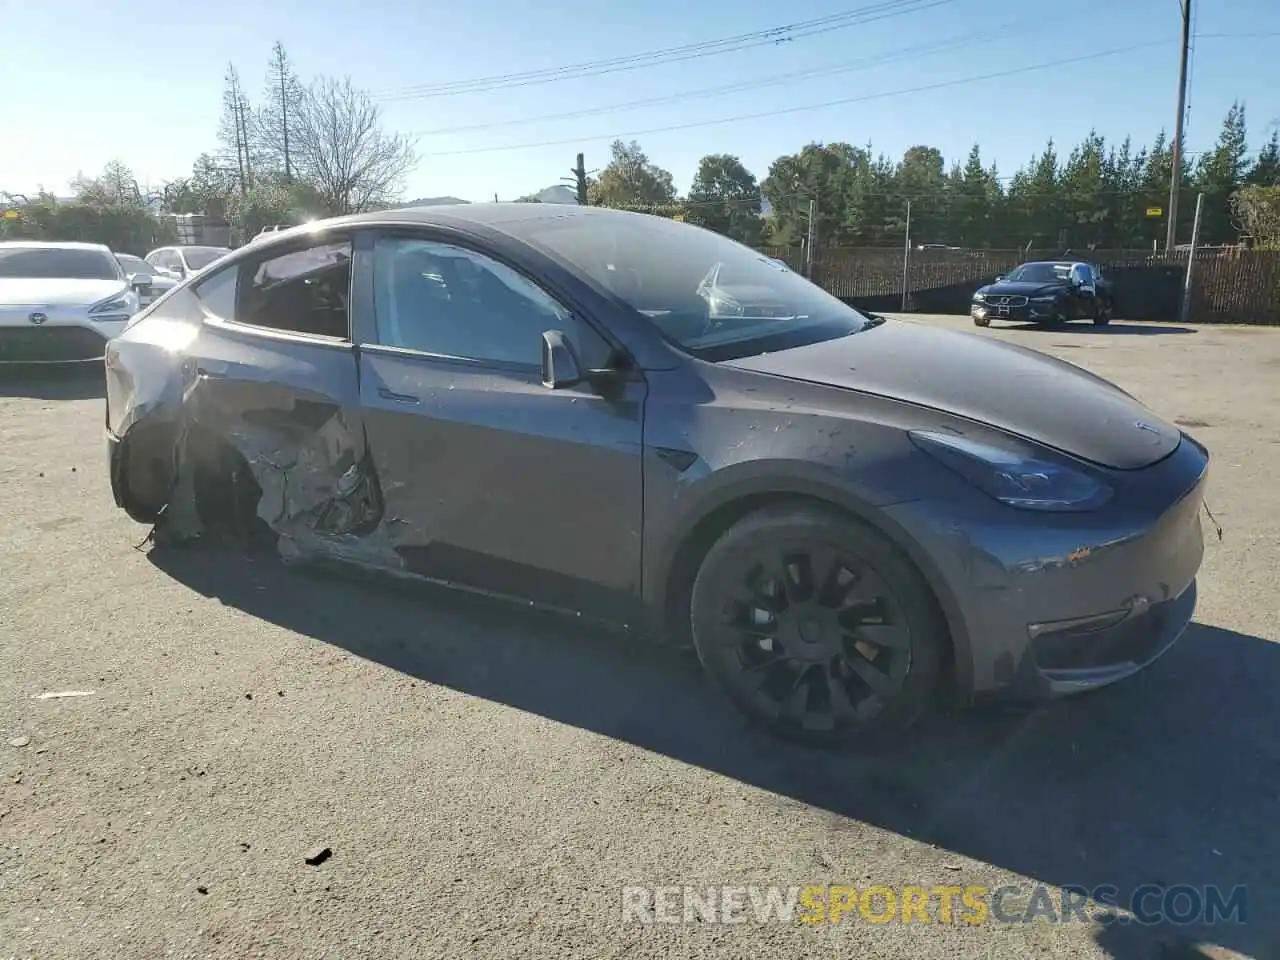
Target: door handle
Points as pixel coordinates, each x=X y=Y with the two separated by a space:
x=386 y=394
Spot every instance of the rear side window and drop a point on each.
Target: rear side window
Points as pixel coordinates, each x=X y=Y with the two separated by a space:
x=301 y=291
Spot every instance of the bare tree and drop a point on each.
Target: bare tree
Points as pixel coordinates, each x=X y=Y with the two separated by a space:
x=275 y=123
x=115 y=186
x=343 y=151
x=1257 y=212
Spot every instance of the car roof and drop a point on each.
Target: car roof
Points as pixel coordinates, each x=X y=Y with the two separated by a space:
x=514 y=219
x=55 y=245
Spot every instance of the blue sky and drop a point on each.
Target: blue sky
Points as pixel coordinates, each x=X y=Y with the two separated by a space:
x=88 y=80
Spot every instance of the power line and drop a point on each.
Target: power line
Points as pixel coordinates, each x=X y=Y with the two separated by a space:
x=778 y=79
x=852 y=66
x=799 y=30
x=764 y=114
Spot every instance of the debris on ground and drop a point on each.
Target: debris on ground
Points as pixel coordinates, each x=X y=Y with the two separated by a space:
x=19 y=741
x=59 y=694
x=203 y=890
x=318 y=856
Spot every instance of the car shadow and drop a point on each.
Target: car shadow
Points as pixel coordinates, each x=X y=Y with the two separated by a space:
x=72 y=381
x=1169 y=778
x=1117 y=328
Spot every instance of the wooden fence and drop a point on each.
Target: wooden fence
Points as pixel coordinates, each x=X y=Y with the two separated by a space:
x=1229 y=285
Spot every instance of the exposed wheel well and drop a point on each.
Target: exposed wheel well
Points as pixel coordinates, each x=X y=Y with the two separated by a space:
x=689 y=555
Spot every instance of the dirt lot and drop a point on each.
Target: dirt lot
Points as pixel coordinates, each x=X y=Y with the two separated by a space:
x=489 y=780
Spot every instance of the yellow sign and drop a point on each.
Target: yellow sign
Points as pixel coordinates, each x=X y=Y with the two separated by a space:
x=1155 y=211
x=12 y=214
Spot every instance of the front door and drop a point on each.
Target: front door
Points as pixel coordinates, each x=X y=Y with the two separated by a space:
x=490 y=479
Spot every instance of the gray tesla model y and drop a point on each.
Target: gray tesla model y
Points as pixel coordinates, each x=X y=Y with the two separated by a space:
x=634 y=419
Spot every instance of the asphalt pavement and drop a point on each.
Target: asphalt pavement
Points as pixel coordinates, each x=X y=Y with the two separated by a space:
x=487 y=781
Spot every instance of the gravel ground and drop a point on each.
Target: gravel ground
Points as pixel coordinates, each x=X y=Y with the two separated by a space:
x=487 y=781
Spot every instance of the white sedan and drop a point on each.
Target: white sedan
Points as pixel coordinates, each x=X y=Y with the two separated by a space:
x=61 y=302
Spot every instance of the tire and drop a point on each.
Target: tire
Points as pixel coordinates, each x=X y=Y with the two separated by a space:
x=765 y=627
x=1102 y=316
x=982 y=321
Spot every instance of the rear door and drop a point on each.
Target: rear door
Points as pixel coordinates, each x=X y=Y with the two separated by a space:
x=1084 y=288
x=276 y=378
x=491 y=480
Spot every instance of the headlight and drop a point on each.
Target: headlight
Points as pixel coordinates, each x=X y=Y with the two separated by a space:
x=979 y=297
x=1020 y=479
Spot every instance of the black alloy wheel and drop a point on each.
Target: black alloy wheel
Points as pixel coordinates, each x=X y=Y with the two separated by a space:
x=815 y=625
x=1102 y=314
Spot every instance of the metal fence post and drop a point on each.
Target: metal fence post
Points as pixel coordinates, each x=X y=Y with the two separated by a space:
x=809 y=241
x=1185 y=311
x=906 y=258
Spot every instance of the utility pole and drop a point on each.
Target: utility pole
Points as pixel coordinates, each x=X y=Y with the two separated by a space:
x=811 y=238
x=1185 y=312
x=1175 y=179
x=906 y=258
x=242 y=144
x=580 y=179
x=284 y=122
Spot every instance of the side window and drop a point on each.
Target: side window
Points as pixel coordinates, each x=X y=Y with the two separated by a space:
x=447 y=300
x=217 y=294
x=301 y=291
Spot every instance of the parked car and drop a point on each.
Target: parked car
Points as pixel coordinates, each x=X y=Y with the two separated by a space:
x=1047 y=292
x=842 y=514
x=139 y=272
x=61 y=302
x=182 y=262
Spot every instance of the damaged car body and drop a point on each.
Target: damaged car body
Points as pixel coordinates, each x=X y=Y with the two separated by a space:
x=636 y=420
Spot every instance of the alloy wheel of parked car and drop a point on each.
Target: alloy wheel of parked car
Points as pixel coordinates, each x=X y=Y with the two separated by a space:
x=815 y=626
x=1103 y=315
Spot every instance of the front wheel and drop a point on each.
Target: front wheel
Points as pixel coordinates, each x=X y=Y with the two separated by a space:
x=1102 y=315
x=982 y=321
x=815 y=626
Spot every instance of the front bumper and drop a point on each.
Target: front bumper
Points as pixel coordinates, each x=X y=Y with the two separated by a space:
x=1026 y=313
x=1048 y=604
x=57 y=342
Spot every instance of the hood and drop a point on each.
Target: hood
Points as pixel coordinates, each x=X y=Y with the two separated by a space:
x=1011 y=388
x=1024 y=288
x=58 y=293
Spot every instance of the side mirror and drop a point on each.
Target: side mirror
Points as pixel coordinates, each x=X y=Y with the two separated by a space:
x=560 y=367
x=999 y=278
x=141 y=282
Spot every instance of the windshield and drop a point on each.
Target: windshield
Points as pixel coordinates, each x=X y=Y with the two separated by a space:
x=1039 y=272
x=57 y=263
x=132 y=264
x=715 y=298
x=200 y=257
